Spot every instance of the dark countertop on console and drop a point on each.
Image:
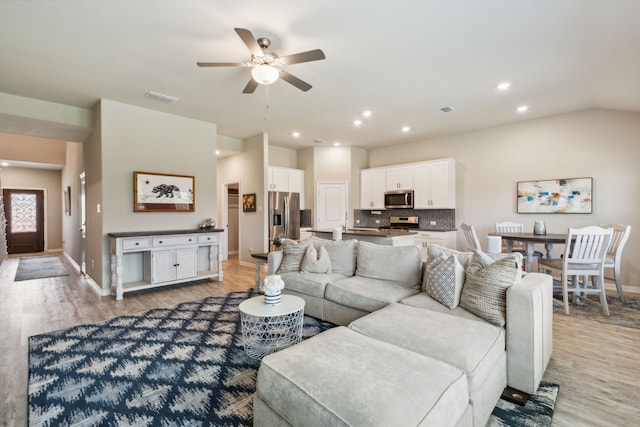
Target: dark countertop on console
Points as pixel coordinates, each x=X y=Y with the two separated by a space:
x=374 y=233
x=163 y=232
x=435 y=230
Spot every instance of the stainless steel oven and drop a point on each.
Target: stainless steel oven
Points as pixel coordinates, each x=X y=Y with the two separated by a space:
x=398 y=199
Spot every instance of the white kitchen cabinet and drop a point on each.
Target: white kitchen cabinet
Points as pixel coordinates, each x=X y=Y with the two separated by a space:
x=372 y=185
x=278 y=178
x=435 y=185
x=445 y=239
x=399 y=178
x=142 y=260
x=287 y=180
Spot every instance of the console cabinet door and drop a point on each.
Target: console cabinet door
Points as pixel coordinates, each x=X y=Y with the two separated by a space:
x=173 y=264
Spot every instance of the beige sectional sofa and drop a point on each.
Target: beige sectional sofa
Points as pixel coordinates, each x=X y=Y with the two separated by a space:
x=402 y=356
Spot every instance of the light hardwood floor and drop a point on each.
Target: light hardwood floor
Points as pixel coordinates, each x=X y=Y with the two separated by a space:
x=597 y=365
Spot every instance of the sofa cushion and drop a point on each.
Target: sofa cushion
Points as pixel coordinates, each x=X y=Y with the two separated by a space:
x=424 y=301
x=399 y=264
x=342 y=254
x=379 y=384
x=315 y=261
x=485 y=289
x=313 y=284
x=445 y=279
x=476 y=348
x=293 y=255
x=366 y=294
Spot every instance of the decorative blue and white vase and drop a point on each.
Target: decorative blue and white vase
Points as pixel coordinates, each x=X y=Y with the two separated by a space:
x=273 y=299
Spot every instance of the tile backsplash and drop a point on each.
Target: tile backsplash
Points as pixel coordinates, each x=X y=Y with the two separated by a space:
x=445 y=219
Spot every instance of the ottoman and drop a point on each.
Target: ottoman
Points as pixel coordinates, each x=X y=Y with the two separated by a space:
x=341 y=377
x=475 y=347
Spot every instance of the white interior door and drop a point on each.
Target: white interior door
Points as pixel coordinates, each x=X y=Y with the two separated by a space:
x=332 y=211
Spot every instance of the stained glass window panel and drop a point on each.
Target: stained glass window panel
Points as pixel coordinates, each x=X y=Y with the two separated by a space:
x=23 y=213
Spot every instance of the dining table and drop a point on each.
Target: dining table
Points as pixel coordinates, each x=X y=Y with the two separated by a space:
x=530 y=239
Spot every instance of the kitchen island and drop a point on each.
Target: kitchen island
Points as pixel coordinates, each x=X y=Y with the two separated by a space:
x=380 y=237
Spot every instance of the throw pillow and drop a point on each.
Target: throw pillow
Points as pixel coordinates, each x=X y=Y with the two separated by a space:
x=316 y=261
x=342 y=254
x=446 y=278
x=485 y=290
x=292 y=257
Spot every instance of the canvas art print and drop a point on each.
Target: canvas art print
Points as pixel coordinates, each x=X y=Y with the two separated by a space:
x=156 y=192
x=572 y=195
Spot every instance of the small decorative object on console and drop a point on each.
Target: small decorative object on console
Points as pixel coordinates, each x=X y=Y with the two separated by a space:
x=208 y=224
x=539 y=228
x=272 y=288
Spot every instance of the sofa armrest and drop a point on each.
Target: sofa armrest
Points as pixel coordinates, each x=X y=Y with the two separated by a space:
x=274 y=259
x=529 y=331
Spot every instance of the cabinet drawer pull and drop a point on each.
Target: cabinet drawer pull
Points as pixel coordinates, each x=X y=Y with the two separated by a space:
x=160 y=242
x=137 y=243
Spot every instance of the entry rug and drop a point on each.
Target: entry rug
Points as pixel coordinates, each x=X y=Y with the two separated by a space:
x=176 y=366
x=39 y=267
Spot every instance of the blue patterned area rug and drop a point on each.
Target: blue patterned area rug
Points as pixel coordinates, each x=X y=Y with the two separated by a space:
x=179 y=366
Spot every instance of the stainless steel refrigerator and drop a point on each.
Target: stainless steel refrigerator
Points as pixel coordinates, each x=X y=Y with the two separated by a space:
x=284 y=216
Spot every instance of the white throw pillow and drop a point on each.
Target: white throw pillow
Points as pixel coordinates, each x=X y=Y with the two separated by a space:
x=446 y=278
x=316 y=261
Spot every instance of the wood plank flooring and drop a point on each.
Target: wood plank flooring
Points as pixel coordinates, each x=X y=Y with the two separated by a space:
x=597 y=365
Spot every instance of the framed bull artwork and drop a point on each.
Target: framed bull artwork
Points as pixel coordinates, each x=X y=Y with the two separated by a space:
x=161 y=192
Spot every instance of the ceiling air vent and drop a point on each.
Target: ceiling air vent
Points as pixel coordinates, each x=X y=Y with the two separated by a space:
x=447 y=109
x=156 y=96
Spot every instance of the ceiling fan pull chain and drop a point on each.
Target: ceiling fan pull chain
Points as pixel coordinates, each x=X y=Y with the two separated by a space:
x=266 y=103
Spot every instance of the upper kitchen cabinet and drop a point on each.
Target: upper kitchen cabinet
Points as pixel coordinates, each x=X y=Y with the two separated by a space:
x=372 y=184
x=287 y=180
x=399 y=178
x=435 y=184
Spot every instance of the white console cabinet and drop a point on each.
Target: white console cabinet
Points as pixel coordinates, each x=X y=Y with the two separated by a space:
x=141 y=260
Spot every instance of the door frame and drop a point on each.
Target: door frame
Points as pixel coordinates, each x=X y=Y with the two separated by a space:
x=45 y=198
x=224 y=219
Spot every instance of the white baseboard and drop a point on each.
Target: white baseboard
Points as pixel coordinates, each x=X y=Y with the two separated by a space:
x=88 y=278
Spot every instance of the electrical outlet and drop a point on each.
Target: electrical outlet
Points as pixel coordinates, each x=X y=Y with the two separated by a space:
x=357 y=221
x=433 y=223
x=377 y=221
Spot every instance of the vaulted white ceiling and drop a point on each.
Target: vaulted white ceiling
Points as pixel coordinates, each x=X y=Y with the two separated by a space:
x=402 y=60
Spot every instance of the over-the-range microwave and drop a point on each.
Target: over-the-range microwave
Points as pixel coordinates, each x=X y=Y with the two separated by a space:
x=398 y=199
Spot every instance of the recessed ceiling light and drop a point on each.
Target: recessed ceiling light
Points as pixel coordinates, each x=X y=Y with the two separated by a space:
x=503 y=86
x=357 y=122
x=295 y=134
x=522 y=109
x=336 y=144
x=366 y=113
x=217 y=152
x=406 y=128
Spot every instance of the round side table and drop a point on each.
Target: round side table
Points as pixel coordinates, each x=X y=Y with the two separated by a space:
x=269 y=328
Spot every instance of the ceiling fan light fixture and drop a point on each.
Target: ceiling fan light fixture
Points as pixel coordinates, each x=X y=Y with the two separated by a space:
x=265 y=74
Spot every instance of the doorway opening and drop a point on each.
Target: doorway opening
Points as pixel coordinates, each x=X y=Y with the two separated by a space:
x=231 y=219
x=24 y=211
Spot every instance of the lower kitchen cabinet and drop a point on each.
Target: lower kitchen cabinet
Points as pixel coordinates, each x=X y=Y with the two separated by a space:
x=445 y=239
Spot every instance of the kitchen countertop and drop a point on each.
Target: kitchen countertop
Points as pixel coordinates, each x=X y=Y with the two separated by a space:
x=374 y=233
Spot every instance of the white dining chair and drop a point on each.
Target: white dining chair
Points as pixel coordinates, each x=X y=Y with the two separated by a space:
x=515 y=227
x=614 y=254
x=583 y=256
x=470 y=237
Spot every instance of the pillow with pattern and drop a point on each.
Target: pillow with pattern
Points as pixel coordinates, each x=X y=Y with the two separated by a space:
x=485 y=289
x=292 y=257
x=445 y=280
x=316 y=261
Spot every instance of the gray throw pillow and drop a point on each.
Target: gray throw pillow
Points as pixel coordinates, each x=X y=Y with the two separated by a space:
x=485 y=289
x=342 y=254
x=292 y=257
x=446 y=278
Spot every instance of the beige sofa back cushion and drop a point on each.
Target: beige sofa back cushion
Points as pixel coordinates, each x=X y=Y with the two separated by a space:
x=400 y=264
x=342 y=254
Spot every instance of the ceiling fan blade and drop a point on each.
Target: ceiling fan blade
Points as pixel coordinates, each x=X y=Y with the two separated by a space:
x=220 y=64
x=302 y=85
x=251 y=86
x=312 y=55
x=250 y=41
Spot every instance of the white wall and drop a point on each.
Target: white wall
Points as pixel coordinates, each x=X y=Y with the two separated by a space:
x=602 y=144
x=139 y=139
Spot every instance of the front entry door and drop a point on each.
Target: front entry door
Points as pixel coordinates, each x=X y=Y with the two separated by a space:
x=24 y=210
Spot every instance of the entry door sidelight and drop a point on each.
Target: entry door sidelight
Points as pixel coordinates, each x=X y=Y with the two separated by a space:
x=24 y=210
